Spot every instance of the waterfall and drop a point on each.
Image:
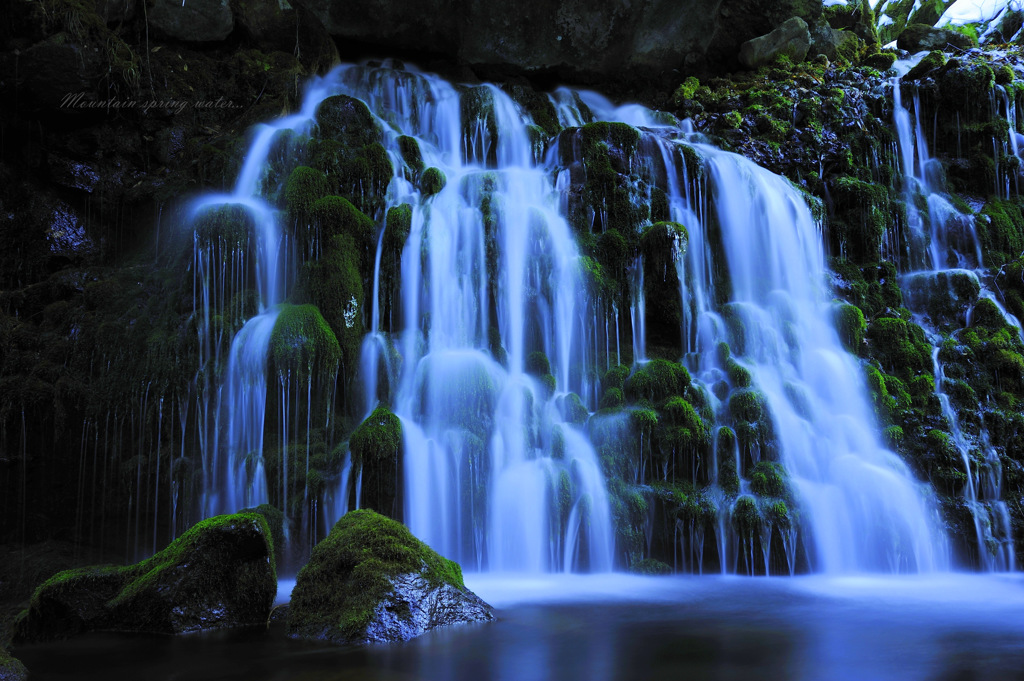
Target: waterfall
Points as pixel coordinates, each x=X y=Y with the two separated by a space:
x=482 y=338
x=941 y=261
x=860 y=505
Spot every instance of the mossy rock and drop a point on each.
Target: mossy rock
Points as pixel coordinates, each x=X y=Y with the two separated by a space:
x=880 y=61
x=371 y=580
x=432 y=181
x=851 y=326
x=376 y=447
x=931 y=63
x=220 y=573
x=275 y=523
x=305 y=187
x=335 y=215
x=228 y=225
x=11 y=669
x=657 y=380
x=303 y=343
x=346 y=119
x=650 y=566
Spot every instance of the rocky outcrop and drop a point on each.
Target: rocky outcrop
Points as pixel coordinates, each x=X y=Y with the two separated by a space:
x=372 y=581
x=218 y=574
x=10 y=668
x=197 y=21
x=918 y=37
x=791 y=39
x=572 y=39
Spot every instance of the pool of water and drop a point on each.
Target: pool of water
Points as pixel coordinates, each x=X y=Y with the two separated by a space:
x=942 y=628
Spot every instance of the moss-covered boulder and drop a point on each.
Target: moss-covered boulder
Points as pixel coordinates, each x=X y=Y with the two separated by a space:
x=917 y=37
x=10 y=668
x=371 y=580
x=218 y=574
x=790 y=39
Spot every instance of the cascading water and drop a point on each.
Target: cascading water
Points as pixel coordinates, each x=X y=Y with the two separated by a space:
x=860 y=504
x=482 y=334
x=945 y=260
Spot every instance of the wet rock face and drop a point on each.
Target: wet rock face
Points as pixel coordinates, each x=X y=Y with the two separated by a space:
x=218 y=574
x=572 y=38
x=415 y=607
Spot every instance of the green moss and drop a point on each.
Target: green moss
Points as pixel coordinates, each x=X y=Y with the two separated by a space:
x=348 y=575
x=379 y=436
x=881 y=61
x=851 y=326
x=745 y=516
x=732 y=120
x=410 y=150
x=348 y=121
x=612 y=398
x=768 y=479
x=1001 y=231
x=334 y=215
x=432 y=181
x=573 y=410
x=11 y=668
x=305 y=187
x=1005 y=75
x=650 y=566
x=537 y=364
x=224 y=226
x=397 y=227
x=685 y=91
x=931 y=63
x=302 y=342
x=657 y=380
x=615 y=377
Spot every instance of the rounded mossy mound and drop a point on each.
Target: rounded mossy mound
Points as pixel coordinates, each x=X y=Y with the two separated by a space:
x=304 y=188
x=220 y=573
x=303 y=342
x=372 y=580
x=432 y=181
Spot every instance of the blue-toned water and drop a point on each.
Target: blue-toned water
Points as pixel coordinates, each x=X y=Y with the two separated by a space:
x=619 y=627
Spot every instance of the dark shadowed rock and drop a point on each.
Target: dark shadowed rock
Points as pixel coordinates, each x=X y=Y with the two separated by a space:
x=647 y=39
x=197 y=21
x=218 y=574
x=372 y=581
x=10 y=668
x=791 y=39
x=918 y=37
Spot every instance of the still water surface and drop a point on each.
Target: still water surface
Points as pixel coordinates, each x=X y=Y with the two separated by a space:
x=612 y=627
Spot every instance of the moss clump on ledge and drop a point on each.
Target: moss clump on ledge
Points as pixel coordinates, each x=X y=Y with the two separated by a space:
x=352 y=589
x=379 y=436
x=432 y=182
x=303 y=342
x=220 y=573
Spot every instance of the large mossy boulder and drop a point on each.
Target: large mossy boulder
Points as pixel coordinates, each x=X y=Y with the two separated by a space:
x=370 y=580
x=918 y=37
x=10 y=668
x=791 y=39
x=218 y=574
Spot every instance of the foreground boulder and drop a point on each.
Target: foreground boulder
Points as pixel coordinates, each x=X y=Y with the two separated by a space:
x=372 y=581
x=10 y=668
x=218 y=574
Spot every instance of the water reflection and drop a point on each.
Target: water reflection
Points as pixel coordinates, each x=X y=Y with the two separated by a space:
x=604 y=628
